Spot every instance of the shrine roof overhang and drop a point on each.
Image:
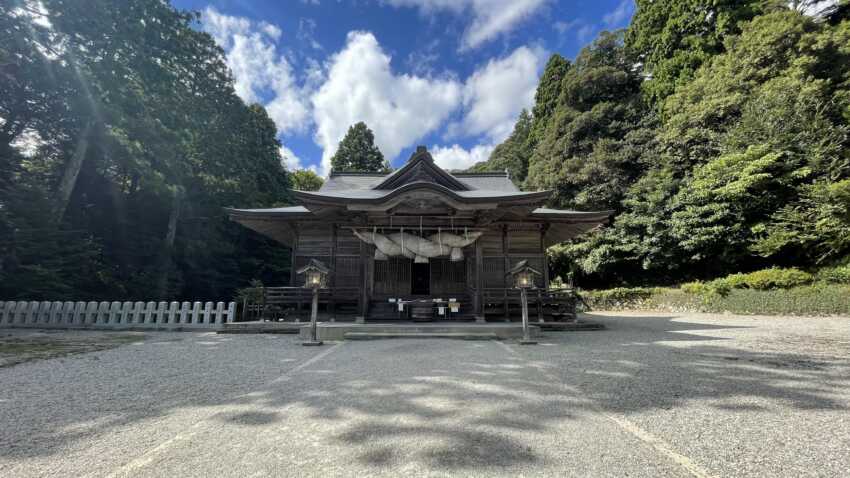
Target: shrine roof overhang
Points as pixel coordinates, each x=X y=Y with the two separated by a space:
x=289 y=212
x=278 y=223
x=300 y=212
x=563 y=225
x=482 y=198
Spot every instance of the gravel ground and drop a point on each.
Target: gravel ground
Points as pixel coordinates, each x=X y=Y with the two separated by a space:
x=654 y=395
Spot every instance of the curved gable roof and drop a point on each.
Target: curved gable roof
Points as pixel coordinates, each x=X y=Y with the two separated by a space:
x=354 y=182
x=421 y=168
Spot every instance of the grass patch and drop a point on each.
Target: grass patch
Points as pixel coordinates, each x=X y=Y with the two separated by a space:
x=18 y=348
x=814 y=299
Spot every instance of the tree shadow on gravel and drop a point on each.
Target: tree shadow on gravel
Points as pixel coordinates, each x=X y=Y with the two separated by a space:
x=649 y=370
x=449 y=405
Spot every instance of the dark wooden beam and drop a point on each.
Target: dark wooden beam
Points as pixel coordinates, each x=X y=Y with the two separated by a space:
x=479 y=282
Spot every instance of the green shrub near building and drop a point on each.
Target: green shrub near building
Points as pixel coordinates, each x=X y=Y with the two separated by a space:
x=834 y=275
x=770 y=292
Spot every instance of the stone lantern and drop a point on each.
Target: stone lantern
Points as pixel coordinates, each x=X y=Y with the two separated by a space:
x=523 y=279
x=315 y=278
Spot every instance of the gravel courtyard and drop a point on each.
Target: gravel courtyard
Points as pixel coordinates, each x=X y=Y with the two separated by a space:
x=654 y=395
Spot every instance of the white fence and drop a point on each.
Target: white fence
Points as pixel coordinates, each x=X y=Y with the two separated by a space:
x=116 y=315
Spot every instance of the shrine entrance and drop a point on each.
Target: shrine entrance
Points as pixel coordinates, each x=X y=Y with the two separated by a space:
x=421 y=284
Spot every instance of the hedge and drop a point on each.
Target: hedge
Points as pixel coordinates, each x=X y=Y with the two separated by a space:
x=834 y=275
x=816 y=299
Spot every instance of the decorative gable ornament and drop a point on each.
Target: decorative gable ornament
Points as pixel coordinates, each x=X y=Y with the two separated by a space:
x=421 y=168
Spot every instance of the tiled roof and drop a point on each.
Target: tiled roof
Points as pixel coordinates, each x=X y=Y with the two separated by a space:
x=490 y=181
x=348 y=182
x=338 y=182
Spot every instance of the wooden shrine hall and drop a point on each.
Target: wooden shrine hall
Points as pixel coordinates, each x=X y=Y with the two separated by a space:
x=417 y=243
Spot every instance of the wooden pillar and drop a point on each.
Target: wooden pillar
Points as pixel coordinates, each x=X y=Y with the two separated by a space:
x=363 y=306
x=507 y=267
x=543 y=229
x=332 y=299
x=292 y=266
x=544 y=296
x=479 y=282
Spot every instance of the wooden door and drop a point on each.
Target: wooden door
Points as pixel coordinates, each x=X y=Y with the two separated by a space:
x=392 y=277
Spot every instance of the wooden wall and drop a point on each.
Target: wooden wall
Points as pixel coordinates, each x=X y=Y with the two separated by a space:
x=504 y=247
x=335 y=246
x=353 y=266
x=448 y=277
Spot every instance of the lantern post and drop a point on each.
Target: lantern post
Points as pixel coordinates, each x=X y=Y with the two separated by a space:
x=523 y=279
x=315 y=278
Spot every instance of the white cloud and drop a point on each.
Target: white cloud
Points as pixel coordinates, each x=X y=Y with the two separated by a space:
x=357 y=84
x=495 y=94
x=563 y=27
x=360 y=86
x=490 y=18
x=306 y=33
x=585 y=33
x=291 y=161
x=456 y=157
x=620 y=15
x=258 y=70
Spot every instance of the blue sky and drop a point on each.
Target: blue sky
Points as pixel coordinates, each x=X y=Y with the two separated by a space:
x=449 y=74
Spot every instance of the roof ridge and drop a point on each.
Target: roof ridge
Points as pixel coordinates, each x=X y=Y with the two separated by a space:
x=358 y=173
x=492 y=174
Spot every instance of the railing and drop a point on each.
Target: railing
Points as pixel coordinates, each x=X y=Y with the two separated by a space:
x=556 y=303
x=277 y=303
x=116 y=315
x=287 y=303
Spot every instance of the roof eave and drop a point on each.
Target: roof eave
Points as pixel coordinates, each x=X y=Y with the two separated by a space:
x=314 y=197
x=234 y=213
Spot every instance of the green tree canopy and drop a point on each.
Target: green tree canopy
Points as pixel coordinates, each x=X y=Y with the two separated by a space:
x=591 y=150
x=357 y=152
x=673 y=38
x=139 y=141
x=305 y=180
x=546 y=98
x=717 y=132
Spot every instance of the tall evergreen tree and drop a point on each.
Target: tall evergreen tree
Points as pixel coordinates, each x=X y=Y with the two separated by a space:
x=546 y=97
x=357 y=152
x=673 y=38
x=593 y=143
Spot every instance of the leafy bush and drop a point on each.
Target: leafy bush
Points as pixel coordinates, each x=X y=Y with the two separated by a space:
x=716 y=287
x=732 y=281
x=835 y=275
x=765 y=279
x=619 y=298
x=254 y=293
x=775 y=278
x=695 y=288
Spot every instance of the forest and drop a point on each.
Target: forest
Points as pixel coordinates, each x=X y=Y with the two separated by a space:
x=121 y=140
x=716 y=132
